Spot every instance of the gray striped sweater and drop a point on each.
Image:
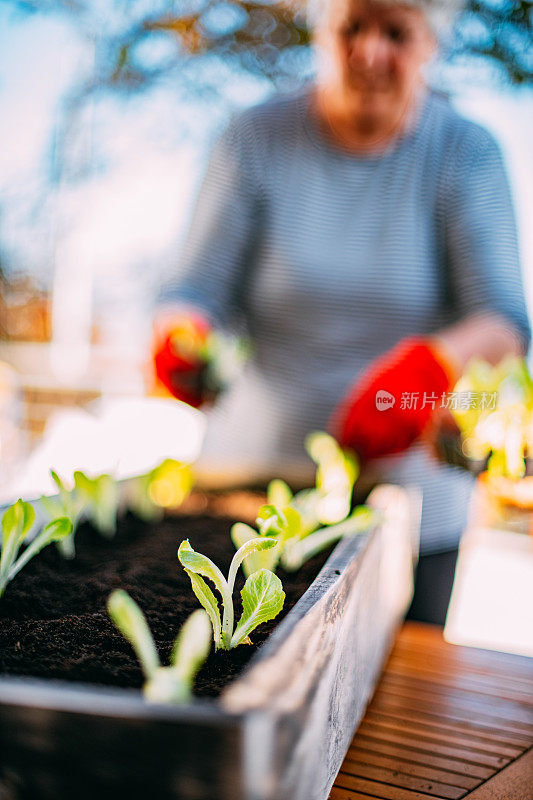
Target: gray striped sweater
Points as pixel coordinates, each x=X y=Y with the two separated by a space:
x=329 y=259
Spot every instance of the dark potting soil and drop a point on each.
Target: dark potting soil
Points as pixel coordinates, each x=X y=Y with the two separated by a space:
x=53 y=619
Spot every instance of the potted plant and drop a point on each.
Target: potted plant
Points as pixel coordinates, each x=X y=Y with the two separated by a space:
x=493 y=409
x=270 y=720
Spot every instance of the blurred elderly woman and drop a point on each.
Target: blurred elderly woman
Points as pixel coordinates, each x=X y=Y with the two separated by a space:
x=363 y=233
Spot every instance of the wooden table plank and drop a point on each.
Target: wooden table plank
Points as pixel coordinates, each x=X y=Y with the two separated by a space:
x=459 y=686
x=425 y=659
x=337 y=793
x=482 y=684
x=445 y=737
x=418 y=634
x=430 y=786
x=445 y=723
x=385 y=791
x=466 y=728
x=409 y=754
x=505 y=710
x=462 y=755
x=411 y=768
x=454 y=709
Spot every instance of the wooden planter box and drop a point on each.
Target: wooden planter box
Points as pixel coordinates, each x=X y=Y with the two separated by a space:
x=278 y=732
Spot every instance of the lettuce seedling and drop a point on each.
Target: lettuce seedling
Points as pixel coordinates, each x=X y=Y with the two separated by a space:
x=293 y=520
x=262 y=594
x=496 y=421
x=172 y=684
x=281 y=524
x=165 y=486
x=68 y=504
x=297 y=551
x=337 y=471
x=330 y=500
x=279 y=493
x=17 y=523
x=295 y=543
x=99 y=498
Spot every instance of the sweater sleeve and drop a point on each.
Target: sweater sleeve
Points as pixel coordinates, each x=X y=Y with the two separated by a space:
x=220 y=242
x=481 y=237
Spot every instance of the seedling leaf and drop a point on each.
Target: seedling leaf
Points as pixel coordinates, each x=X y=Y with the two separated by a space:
x=171 y=684
x=242 y=533
x=298 y=552
x=100 y=496
x=278 y=493
x=192 y=645
x=262 y=600
x=16 y=524
x=250 y=547
x=202 y=565
x=55 y=531
x=17 y=521
x=209 y=602
x=67 y=504
x=132 y=623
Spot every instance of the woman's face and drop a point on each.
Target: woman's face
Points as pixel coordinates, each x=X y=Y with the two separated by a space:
x=372 y=56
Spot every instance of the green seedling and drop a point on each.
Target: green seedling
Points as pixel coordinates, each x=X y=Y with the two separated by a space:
x=297 y=521
x=496 y=417
x=262 y=594
x=298 y=551
x=279 y=494
x=17 y=523
x=172 y=684
x=165 y=486
x=98 y=497
x=68 y=504
x=295 y=543
x=281 y=524
x=337 y=471
x=330 y=500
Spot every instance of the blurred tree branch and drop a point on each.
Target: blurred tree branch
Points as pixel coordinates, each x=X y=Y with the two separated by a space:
x=256 y=35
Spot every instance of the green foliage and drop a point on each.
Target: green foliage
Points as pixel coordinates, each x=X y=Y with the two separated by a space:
x=261 y=601
x=99 y=499
x=17 y=523
x=337 y=471
x=497 y=420
x=96 y=498
x=172 y=684
x=279 y=494
x=65 y=504
x=298 y=551
x=295 y=521
x=165 y=486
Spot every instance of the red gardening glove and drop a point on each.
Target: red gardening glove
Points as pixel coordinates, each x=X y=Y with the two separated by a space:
x=394 y=399
x=179 y=356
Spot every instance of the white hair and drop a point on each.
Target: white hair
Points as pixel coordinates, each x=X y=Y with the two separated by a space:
x=440 y=14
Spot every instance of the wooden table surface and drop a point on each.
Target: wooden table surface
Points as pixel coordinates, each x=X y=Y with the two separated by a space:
x=445 y=722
